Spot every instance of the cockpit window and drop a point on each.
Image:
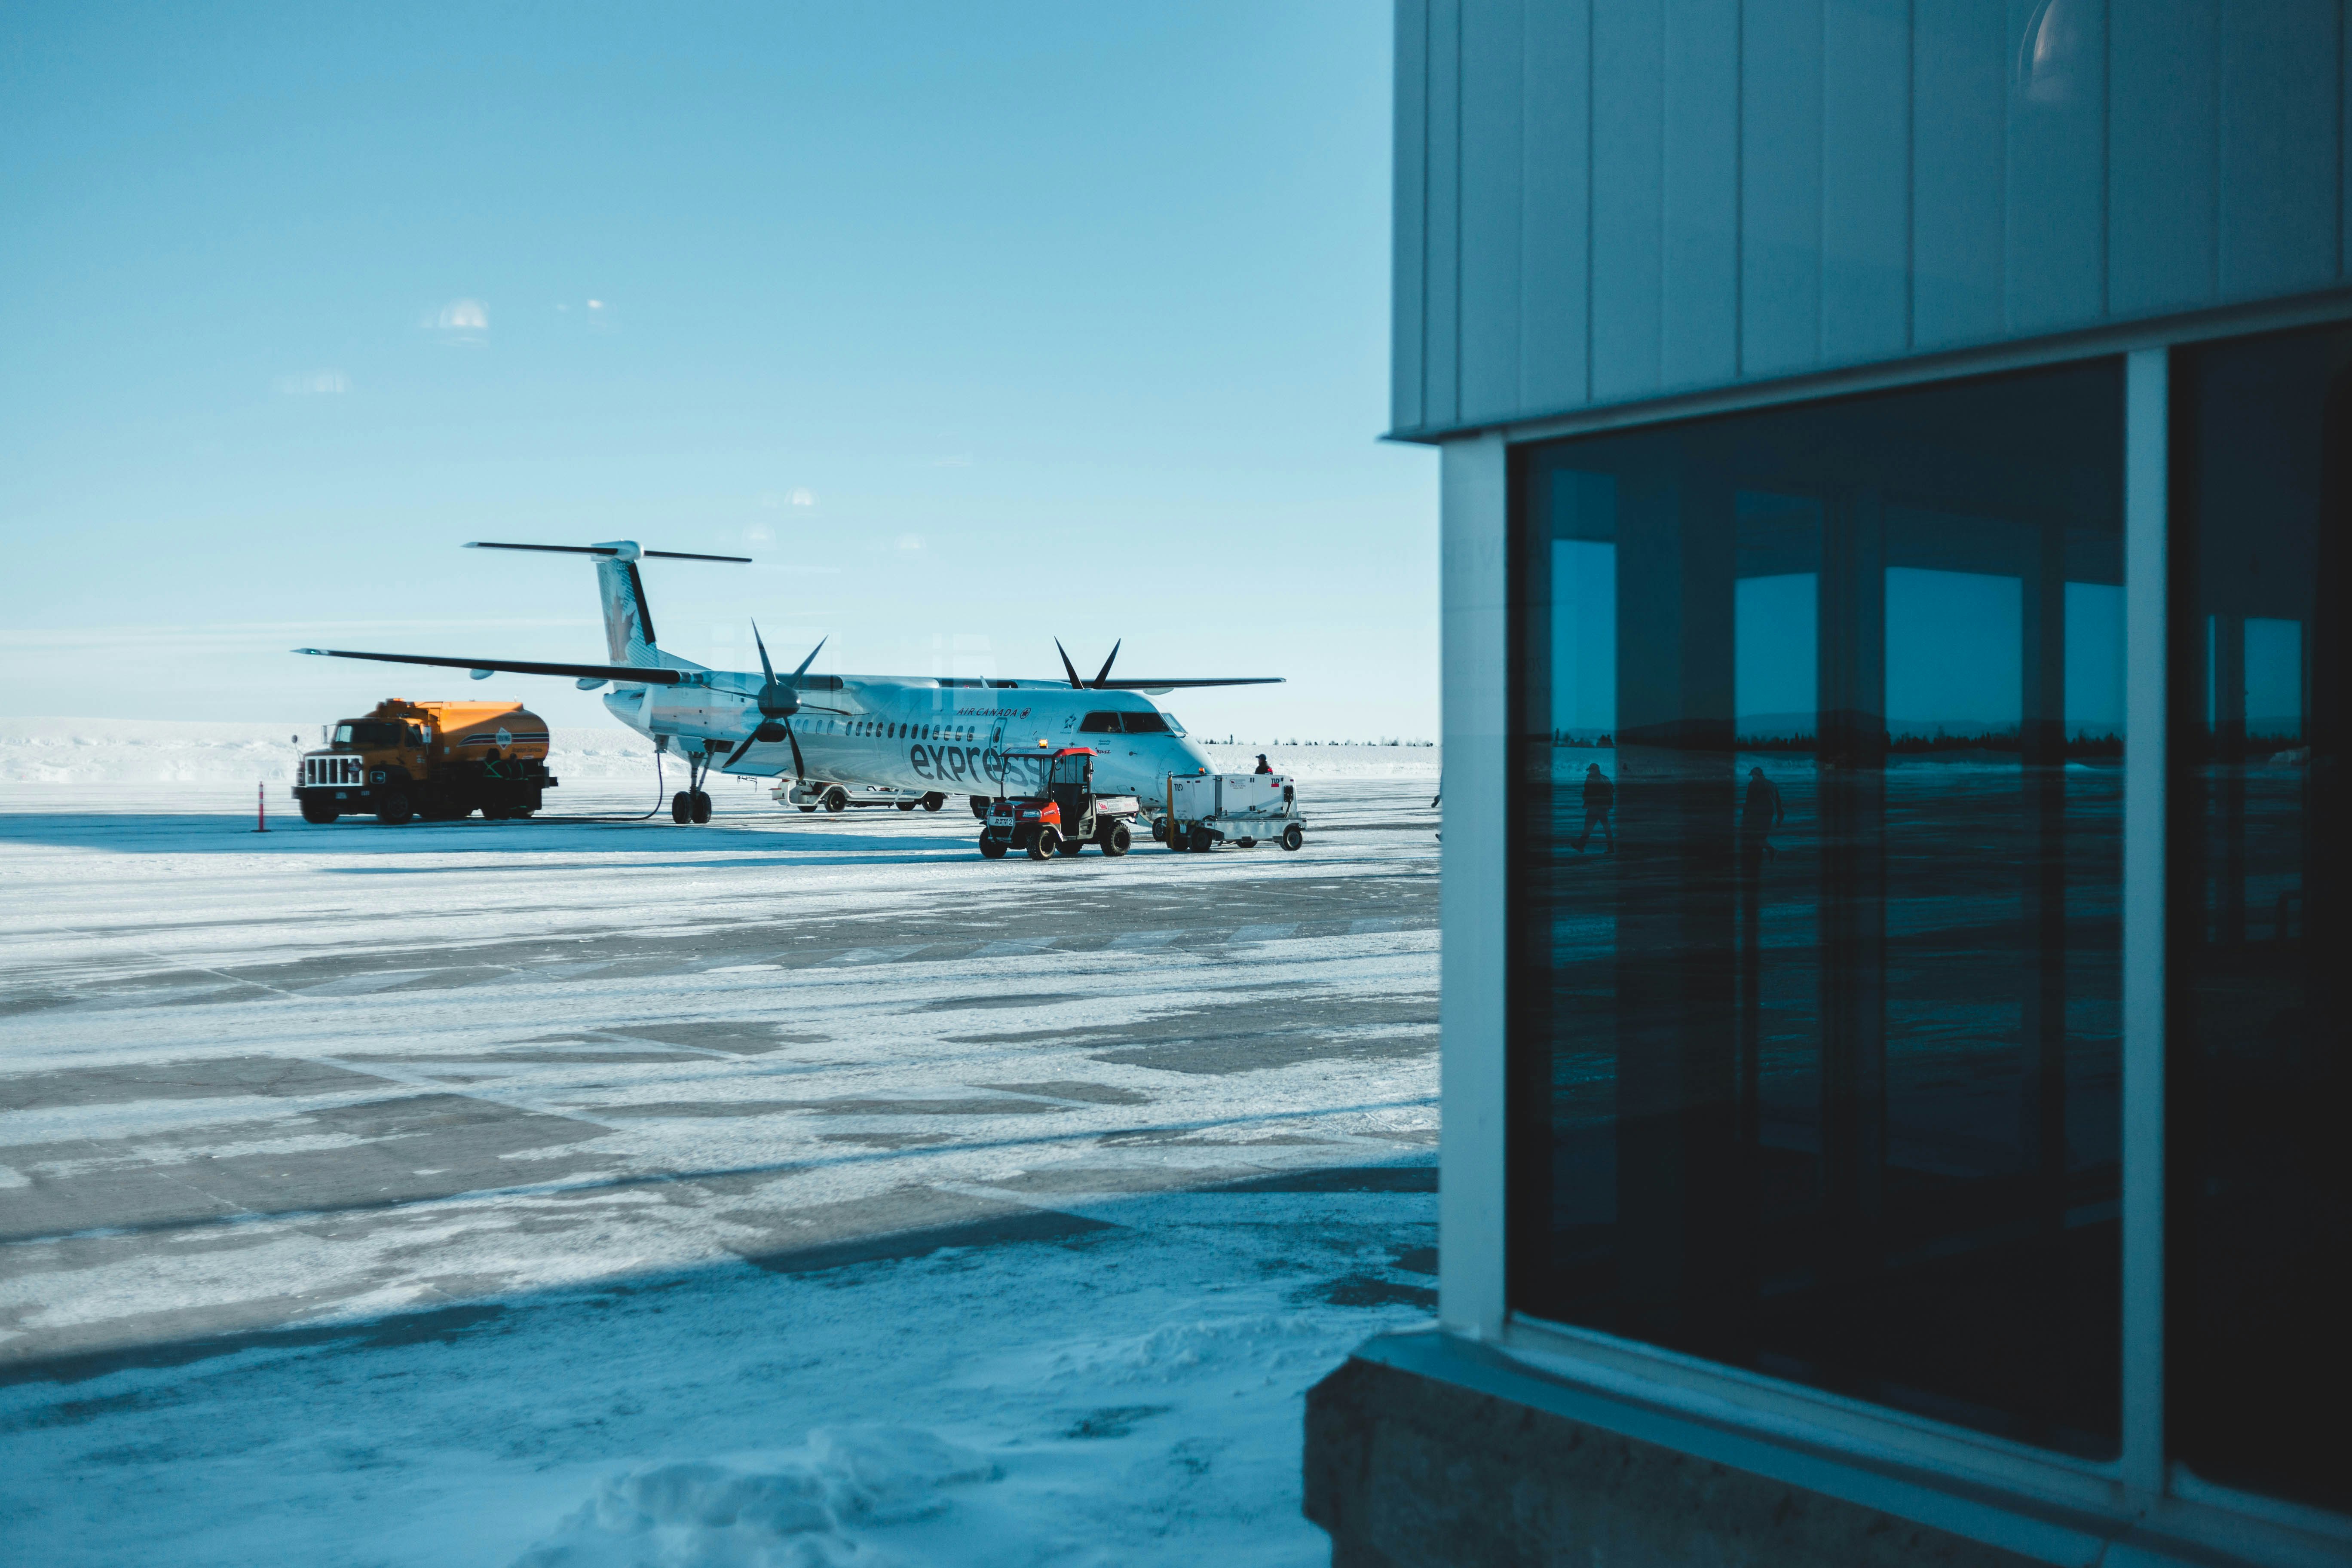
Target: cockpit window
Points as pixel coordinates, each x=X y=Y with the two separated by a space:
x=1100 y=724
x=1174 y=726
x=1143 y=723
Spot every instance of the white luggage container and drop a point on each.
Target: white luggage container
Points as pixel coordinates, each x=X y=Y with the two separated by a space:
x=1207 y=810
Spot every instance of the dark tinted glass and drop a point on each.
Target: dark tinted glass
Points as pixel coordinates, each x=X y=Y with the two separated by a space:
x=1816 y=990
x=2259 y=1096
x=1100 y=724
x=1143 y=723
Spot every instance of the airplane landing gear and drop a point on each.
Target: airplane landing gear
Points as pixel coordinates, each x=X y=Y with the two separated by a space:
x=690 y=805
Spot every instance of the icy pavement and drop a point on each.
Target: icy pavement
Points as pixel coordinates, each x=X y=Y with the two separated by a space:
x=792 y=1189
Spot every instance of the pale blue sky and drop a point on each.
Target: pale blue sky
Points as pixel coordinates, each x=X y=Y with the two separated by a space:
x=976 y=325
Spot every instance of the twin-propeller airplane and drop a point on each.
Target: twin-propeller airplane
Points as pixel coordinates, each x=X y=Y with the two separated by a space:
x=925 y=734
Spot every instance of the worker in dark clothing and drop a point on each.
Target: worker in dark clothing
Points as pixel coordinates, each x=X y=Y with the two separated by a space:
x=1599 y=800
x=1263 y=765
x=1759 y=812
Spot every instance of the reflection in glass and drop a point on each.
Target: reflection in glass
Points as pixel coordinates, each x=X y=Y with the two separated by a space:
x=2259 y=1074
x=1815 y=1015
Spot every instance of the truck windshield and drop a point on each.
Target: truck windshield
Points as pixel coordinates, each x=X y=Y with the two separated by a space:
x=367 y=733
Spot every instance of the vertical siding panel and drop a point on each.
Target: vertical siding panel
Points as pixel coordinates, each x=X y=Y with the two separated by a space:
x=1441 y=327
x=1409 y=235
x=1699 y=284
x=2055 y=261
x=1627 y=141
x=1555 y=221
x=2279 y=120
x=1491 y=35
x=1781 y=187
x=2161 y=136
x=1866 y=179
x=1959 y=64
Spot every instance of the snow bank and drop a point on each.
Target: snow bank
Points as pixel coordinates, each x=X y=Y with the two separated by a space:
x=1312 y=763
x=170 y=751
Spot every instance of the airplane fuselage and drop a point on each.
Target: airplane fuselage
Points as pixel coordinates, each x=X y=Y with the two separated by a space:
x=955 y=737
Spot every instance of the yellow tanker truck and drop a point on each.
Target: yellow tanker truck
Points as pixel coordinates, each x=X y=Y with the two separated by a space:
x=439 y=760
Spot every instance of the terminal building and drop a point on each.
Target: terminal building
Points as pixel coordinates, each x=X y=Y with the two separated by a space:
x=1898 y=1058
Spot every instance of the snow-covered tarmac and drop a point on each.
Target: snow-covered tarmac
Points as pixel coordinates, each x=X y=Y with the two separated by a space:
x=761 y=1193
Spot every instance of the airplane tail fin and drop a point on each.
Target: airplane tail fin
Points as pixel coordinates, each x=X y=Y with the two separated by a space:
x=628 y=622
x=629 y=635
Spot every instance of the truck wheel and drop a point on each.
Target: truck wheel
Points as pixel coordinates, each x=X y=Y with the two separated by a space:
x=681 y=810
x=700 y=807
x=1070 y=845
x=1160 y=830
x=1177 y=839
x=1117 y=841
x=908 y=805
x=1201 y=842
x=836 y=799
x=933 y=801
x=810 y=809
x=979 y=805
x=319 y=812
x=992 y=847
x=1043 y=847
x=1245 y=843
x=392 y=808
x=1293 y=836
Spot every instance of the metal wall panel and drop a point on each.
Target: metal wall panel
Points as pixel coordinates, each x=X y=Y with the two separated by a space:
x=1780 y=188
x=1959 y=58
x=1628 y=190
x=1442 y=317
x=1554 y=229
x=2279 y=64
x=1408 y=282
x=1698 y=161
x=1866 y=179
x=1600 y=201
x=1492 y=66
x=2161 y=241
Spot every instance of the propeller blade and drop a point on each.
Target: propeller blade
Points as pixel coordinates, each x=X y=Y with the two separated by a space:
x=1104 y=673
x=1068 y=665
x=765 y=668
x=810 y=659
x=800 y=770
x=740 y=750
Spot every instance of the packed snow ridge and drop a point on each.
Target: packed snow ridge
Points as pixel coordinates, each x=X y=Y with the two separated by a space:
x=169 y=751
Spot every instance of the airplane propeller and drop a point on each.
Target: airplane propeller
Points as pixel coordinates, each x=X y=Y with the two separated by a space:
x=1101 y=675
x=777 y=702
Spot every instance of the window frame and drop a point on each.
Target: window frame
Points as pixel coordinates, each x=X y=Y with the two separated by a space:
x=1482 y=486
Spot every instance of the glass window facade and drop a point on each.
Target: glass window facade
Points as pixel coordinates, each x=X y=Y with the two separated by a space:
x=1815 y=887
x=2258 y=1046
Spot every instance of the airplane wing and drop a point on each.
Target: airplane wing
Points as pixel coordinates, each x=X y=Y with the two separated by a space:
x=1124 y=684
x=624 y=673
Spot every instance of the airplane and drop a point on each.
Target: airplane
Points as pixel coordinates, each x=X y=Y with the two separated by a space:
x=929 y=735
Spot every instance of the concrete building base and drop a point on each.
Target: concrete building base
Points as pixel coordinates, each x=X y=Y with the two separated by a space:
x=1429 y=1451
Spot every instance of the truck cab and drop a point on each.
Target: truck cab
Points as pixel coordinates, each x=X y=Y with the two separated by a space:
x=439 y=760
